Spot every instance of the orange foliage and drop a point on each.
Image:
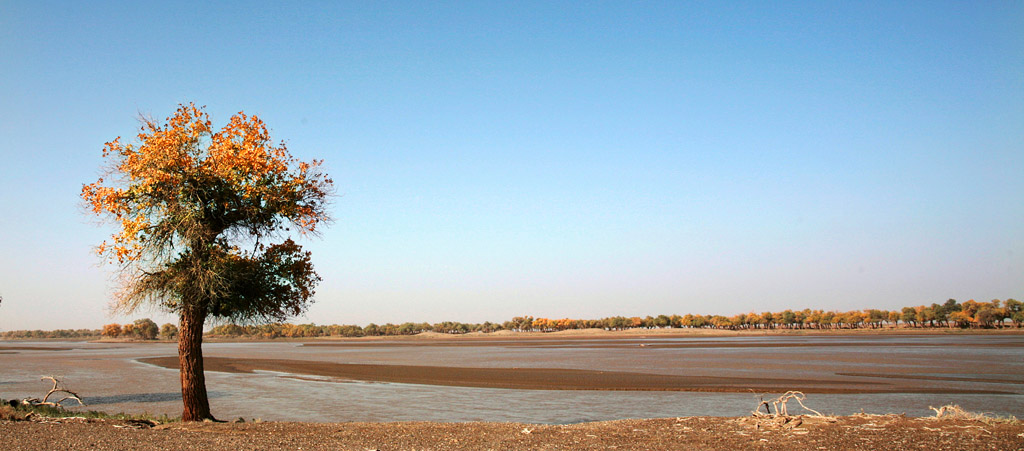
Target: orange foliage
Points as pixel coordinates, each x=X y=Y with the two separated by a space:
x=112 y=330
x=187 y=150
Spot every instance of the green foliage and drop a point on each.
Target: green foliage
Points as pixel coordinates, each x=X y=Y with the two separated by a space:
x=21 y=411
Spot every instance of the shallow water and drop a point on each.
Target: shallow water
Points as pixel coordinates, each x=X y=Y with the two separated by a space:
x=110 y=378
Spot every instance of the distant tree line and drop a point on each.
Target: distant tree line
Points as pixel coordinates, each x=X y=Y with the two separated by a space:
x=140 y=329
x=951 y=314
x=65 y=334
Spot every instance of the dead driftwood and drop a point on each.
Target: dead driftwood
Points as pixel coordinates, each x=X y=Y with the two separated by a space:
x=780 y=405
x=781 y=419
x=58 y=387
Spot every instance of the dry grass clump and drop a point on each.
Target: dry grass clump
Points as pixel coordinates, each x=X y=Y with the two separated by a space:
x=8 y=413
x=955 y=412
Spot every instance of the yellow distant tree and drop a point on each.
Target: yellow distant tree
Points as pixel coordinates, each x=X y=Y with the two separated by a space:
x=112 y=330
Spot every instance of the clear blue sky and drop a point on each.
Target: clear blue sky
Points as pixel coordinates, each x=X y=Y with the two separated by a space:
x=579 y=159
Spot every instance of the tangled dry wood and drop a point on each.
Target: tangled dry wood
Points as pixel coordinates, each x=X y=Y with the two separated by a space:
x=781 y=418
x=58 y=387
x=781 y=410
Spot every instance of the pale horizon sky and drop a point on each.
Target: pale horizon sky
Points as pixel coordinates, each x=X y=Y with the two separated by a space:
x=554 y=159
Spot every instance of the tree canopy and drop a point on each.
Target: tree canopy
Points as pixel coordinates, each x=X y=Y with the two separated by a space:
x=188 y=199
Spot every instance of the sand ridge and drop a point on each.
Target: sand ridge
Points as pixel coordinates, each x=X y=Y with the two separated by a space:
x=550 y=378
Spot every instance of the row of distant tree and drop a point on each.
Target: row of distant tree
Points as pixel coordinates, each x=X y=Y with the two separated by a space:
x=66 y=334
x=970 y=314
x=140 y=329
x=144 y=329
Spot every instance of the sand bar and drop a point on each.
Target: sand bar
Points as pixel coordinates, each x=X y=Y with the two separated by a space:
x=552 y=378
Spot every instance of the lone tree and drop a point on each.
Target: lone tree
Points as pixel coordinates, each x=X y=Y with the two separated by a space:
x=203 y=218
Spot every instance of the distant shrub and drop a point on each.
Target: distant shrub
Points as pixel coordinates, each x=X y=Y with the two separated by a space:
x=168 y=331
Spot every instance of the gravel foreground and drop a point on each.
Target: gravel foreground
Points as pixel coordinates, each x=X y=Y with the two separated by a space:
x=874 y=432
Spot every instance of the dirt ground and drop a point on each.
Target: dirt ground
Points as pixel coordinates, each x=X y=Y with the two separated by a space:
x=869 y=432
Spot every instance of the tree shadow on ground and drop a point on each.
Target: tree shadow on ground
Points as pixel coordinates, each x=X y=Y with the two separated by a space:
x=141 y=398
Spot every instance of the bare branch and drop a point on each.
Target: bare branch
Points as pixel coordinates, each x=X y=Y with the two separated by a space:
x=58 y=387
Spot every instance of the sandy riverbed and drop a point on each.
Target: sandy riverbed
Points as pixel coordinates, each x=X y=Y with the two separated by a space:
x=871 y=371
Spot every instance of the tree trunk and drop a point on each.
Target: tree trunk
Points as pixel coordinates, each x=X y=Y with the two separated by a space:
x=190 y=357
